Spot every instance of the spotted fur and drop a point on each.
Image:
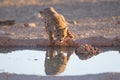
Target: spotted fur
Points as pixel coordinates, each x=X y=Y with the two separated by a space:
x=55 y=25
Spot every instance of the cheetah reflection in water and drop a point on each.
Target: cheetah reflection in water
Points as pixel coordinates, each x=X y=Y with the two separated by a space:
x=56 y=60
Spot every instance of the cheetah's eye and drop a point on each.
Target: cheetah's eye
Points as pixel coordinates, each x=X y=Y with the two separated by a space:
x=62 y=35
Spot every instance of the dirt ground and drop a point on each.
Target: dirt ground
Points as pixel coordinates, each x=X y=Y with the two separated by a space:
x=102 y=76
x=87 y=18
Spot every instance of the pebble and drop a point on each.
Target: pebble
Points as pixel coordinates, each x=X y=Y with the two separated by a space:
x=73 y=22
x=32 y=25
x=82 y=36
x=87 y=34
x=38 y=16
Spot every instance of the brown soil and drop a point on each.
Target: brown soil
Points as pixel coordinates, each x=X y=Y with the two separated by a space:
x=102 y=76
x=87 y=18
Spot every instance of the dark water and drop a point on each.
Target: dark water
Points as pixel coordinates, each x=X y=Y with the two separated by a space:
x=57 y=61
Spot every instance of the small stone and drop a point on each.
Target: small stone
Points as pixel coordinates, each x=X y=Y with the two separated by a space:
x=32 y=25
x=35 y=59
x=73 y=22
x=87 y=34
x=82 y=36
x=94 y=31
x=38 y=16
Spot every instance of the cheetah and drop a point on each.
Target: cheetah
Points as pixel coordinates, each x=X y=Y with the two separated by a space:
x=55 y=25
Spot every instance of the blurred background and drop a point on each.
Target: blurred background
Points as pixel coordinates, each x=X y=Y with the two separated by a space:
x=47 y=2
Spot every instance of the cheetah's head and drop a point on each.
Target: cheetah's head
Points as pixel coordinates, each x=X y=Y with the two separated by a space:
x=48 y=11
x=61 y=35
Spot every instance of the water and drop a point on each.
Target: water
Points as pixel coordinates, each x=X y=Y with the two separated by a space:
x=57 y=61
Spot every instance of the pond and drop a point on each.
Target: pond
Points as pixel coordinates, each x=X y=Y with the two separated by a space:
x=57 y=61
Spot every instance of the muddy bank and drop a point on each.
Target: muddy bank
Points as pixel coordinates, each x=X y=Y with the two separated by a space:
x=103 y=76
x=96 y=41
x=5 y=41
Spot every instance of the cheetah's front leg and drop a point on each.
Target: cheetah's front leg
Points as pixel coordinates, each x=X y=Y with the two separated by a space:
x=51 y=38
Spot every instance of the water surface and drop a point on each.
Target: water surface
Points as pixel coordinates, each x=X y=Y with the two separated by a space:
x=60 y=61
